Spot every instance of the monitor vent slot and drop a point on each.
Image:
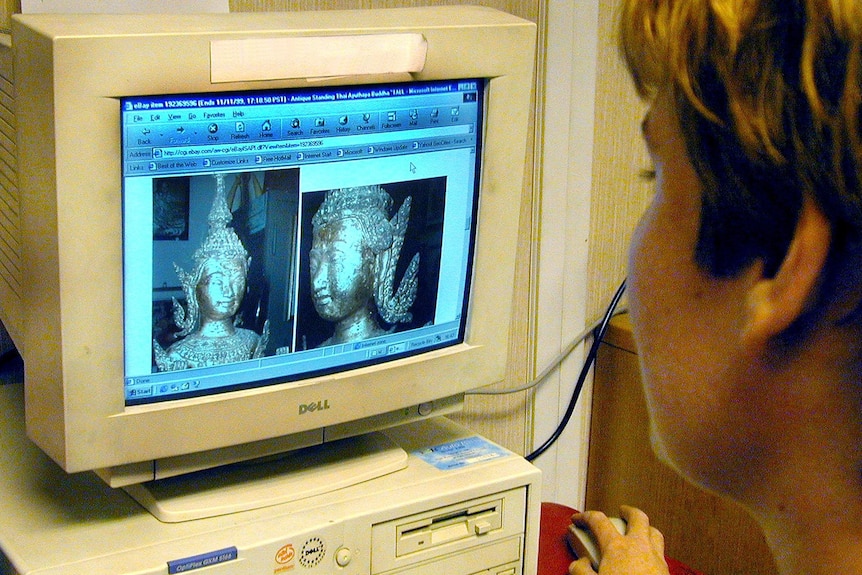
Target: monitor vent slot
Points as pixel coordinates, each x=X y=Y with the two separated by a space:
x=10 y=201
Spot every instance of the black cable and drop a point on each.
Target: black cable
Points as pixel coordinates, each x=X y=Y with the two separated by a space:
x=598 y=335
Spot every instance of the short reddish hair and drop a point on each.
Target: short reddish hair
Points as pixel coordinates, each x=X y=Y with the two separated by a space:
x=769 y=96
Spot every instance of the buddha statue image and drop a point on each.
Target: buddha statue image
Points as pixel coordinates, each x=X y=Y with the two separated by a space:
x=209 y=332
x=353 y=259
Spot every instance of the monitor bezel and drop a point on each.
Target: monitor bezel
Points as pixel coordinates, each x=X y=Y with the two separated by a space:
x=70 y=73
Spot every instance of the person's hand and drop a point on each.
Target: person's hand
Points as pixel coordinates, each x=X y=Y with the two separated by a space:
x=639 y=552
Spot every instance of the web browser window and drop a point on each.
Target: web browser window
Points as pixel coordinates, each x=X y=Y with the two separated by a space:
x=273 y=236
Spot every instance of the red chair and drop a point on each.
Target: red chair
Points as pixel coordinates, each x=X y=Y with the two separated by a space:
x=554 y=552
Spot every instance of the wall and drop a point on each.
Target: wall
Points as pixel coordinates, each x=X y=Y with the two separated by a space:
x=619 y=194
x=565 y=121
x=7 y=8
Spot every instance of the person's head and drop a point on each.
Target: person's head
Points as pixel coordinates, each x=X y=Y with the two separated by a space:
x=756 y=227
x=767 y=93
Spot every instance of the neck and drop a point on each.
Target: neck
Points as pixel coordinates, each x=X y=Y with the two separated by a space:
x=217 y=328
x=814 y=533
x=360 y=325
x=808 y=499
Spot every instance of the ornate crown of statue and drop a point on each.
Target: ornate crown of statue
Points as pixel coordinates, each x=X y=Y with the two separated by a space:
x=221 y=241
x=369 y=205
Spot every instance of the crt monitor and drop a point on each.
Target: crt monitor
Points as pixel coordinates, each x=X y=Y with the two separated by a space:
x=189 y=189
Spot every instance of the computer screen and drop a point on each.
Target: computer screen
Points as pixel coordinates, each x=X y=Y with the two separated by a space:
x=351 y=212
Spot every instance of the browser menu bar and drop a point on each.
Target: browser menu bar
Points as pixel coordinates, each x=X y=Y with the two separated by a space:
x=180 y=134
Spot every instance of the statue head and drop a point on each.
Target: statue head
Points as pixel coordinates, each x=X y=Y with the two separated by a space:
x=214 y=288
x=354 y=253
x=220 y=287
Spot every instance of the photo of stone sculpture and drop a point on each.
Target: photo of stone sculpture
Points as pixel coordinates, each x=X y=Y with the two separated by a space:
x=214 y=289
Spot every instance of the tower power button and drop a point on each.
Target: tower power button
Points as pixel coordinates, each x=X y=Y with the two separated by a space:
x=343 y=556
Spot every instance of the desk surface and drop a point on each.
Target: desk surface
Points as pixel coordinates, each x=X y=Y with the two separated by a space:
x=619 y=333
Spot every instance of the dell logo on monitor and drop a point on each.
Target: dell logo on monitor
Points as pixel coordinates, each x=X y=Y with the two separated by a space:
x=317 y=406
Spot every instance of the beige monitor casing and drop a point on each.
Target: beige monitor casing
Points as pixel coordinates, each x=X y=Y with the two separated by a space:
x=63 y=306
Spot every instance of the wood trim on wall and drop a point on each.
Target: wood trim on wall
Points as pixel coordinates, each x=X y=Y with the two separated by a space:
x=7 y=8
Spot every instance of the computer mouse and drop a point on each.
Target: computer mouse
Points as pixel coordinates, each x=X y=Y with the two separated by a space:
x=583 y=542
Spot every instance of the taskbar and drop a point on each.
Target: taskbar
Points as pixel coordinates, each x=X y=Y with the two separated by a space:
x=288 y=367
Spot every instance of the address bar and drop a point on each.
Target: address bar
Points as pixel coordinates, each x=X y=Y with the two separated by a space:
x=209 y=150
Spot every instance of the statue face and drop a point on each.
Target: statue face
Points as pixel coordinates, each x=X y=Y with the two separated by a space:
x=221 y=288
x=342 y=270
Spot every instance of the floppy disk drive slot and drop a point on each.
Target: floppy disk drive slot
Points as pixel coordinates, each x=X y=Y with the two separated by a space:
x=452 y=525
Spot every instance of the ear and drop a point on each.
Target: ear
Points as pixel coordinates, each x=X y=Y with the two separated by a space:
x=774 y=303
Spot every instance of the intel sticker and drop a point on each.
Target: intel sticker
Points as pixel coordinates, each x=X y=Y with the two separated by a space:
x=461 y=453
